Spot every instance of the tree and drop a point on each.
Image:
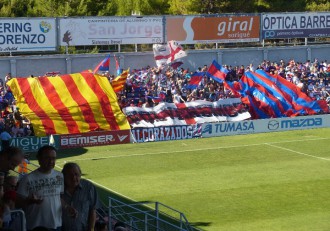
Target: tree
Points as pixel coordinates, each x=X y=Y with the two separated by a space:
x=318 y=5
x=14 y=8
x=179 y=7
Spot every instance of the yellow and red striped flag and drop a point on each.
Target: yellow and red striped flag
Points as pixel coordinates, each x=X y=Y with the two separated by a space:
x=119 y=82
x=68 y=104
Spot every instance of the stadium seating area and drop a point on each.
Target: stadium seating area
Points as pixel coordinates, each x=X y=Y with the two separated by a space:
x=149 y=86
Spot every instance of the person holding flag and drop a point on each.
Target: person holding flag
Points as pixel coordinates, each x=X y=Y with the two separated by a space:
x=118 y=69
x=104 y=65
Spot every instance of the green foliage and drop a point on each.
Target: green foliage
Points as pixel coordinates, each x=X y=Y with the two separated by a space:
x=318 y=5
x=56 y=8
x=179 y=7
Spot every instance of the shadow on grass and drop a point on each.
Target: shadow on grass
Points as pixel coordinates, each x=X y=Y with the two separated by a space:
x=63 y=153
x=104 y=195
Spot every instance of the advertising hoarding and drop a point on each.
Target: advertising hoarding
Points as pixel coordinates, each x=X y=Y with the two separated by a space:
x=296 y=25
x=223 y=29
x=110 y=30
x=94 y=139
x=29 y=34
x=265 y=125
x=166 y=133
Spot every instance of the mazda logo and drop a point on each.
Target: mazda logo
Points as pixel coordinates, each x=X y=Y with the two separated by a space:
x=273 y=125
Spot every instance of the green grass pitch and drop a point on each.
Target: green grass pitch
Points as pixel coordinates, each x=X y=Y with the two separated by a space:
x=271 y=182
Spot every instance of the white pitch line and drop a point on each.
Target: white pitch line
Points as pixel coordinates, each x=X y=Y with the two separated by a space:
x=300 y=153
x=194 y=150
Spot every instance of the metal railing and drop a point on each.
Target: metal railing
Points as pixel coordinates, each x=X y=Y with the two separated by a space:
x=147 y=216
x=18 y=221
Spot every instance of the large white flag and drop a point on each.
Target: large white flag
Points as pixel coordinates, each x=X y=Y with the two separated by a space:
x=167 y=53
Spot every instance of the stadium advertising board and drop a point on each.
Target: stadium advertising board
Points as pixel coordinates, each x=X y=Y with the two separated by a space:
x=165 y=133
x=265 y=125
x=94 y=139
x=30 y=143
x=110 y=30
x=223 y=28
x=25 y=35
x=296 y=25
x=228 y=128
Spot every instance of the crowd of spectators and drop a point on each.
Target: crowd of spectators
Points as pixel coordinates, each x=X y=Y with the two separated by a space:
x=12 y=122
x=144 y=88
x=149 y=86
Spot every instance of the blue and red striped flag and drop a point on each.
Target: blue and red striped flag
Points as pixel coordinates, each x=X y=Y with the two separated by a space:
x=159 y=98
x=104 y=65
x=217 y=72
x=271 y=96
x=195 y=79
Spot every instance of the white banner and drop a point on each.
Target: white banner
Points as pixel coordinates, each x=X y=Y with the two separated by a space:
x=195 y=112
x=110 y=30
x=167 y=53
x=265 y=125
x=25 y=35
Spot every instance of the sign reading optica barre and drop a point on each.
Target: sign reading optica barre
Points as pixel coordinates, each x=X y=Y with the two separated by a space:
x=23 y=35
x=225 y=29
x=296 y=25
x=110 y=30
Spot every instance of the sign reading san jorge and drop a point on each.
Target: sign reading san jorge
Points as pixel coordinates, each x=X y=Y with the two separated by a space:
x=111 y=30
